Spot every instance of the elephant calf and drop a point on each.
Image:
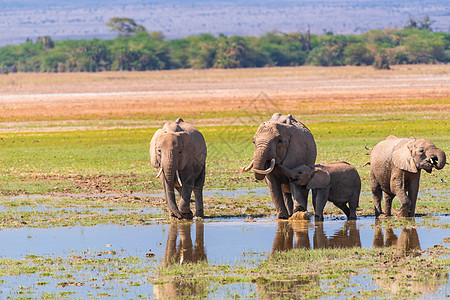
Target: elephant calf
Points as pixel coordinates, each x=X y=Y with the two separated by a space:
x=337 y=182
x=395 y=166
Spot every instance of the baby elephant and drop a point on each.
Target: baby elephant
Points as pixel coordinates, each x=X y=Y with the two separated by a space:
x=337 y=182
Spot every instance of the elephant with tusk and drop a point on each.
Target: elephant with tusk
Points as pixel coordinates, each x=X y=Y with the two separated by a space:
x=395 y=166
x=282 y=140
x=178 y=151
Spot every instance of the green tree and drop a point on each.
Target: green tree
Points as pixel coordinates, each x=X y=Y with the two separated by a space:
x=330 y=52
x=358 y=54
x=124 y=26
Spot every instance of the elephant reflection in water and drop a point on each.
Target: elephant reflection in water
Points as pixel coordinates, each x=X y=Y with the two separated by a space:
x=185 y=252
x=408 y=241
x=407 y=244
x=295 y=235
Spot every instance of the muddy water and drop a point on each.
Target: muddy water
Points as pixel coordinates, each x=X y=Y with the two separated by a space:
x=233 y=241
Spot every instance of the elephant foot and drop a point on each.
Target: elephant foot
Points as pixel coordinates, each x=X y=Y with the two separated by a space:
x=282 y=216
x=188 y=215
x=199 y=214
x=173 y=216
x=382 y=216
x=299 y=208
x=403 y=212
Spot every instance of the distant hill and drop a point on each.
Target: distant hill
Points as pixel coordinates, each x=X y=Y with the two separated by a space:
x=81 y=19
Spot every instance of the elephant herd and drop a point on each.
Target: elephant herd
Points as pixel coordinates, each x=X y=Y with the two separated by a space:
x=285 y=156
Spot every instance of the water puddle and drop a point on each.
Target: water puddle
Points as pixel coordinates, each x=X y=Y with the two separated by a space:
x=232 y=242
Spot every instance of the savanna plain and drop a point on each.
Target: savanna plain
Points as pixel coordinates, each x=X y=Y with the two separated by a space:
x=83 y=216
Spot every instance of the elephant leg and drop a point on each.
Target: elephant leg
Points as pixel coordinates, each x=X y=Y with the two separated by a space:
x=321 y=200
x=277 y=196
x=406 y=204
x=345 y=209
x=198 y=194
x=186 y=192
x=287 y=197
x=353 y=205
x=413 y=192
x=377 y=195
x=388 y=203
x=300 y=195
x=314 y=198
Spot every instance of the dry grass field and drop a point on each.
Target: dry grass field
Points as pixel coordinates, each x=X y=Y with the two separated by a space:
x=311 y=92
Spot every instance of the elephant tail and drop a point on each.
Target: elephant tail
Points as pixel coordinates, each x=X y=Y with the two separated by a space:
x=367 y=148
x=366 y=164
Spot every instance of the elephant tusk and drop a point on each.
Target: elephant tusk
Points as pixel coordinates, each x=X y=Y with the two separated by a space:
x=270 y=169
x=178 y=179
x=248 y=168
x=159 y=172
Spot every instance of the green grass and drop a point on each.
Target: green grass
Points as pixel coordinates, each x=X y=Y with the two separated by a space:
x=280 y=275
x=321 y=273
x=40 y=163
x=117 y=160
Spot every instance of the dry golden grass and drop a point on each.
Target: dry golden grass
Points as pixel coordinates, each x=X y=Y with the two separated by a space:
x=312 y=90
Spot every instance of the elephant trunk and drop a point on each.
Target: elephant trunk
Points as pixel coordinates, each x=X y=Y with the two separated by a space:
x=437 y=158
x=268 y=170
x=168 y=183
x=288 y=172
x=260 y=160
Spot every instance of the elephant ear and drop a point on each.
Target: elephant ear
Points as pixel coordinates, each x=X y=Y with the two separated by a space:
x=154 y=160
x=186 y=150
x=302 y=147
x=320 y=179
x=402 y=157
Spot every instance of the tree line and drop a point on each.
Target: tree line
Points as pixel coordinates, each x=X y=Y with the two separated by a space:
x=135 y=48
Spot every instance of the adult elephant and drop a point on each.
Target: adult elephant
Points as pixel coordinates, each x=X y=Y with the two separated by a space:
x=395 y=166
x=178 y=151
x=283 y=140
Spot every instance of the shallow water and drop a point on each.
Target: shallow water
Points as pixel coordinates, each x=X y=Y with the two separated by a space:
x=232 y=241
x=239 y=192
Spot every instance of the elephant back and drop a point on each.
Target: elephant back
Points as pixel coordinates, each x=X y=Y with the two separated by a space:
x=198 y=141
x=290 y=120
x=382 y=152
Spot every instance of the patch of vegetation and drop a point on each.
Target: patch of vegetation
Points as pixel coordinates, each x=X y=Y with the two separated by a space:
x=137 y=49
x=319 y=273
